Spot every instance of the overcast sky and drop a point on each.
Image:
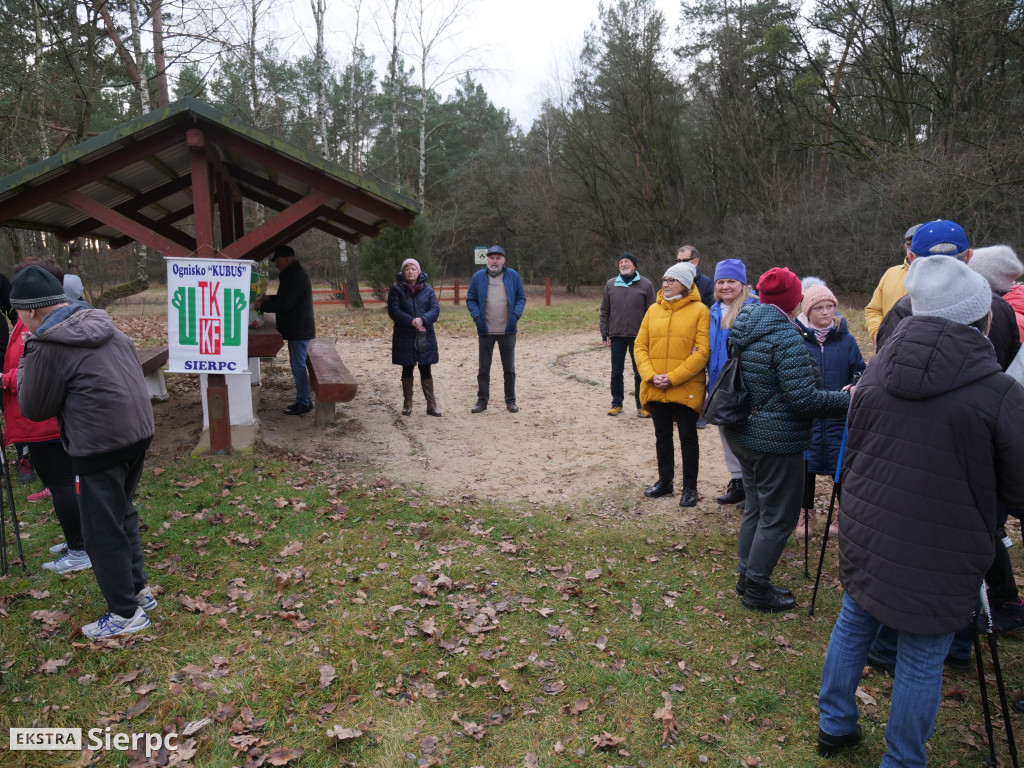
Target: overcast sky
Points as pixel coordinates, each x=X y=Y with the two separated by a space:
x=526 y=44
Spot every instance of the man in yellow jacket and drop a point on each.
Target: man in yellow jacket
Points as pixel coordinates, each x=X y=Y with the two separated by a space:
x=890 y=288
x=671 y=352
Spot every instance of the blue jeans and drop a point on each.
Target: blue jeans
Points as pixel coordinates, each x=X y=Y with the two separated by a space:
x=297 y=357
x=884 y=646
x=916 y=688
x=619 y=346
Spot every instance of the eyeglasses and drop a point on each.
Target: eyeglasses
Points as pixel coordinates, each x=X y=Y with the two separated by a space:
x=668 y=280
x=683 y=261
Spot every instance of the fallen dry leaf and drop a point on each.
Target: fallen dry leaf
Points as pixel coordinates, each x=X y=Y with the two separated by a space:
x=344 y=734
x=605 y=740
x=284 y=756
x=327 y=675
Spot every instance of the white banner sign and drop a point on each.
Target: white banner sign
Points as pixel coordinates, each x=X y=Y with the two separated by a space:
x=207 y=317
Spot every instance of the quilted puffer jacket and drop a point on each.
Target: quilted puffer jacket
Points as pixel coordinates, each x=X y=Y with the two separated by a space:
x=673 y=339
x=782 y=381
x=936 y=438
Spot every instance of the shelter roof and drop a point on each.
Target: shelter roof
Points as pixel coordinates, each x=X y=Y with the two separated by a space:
x=148 y=178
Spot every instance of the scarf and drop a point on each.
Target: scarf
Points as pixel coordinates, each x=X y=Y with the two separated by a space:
x=621 y=282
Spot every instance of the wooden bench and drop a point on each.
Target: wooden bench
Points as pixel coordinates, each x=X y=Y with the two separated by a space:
x=329 y=379
x=153 y=360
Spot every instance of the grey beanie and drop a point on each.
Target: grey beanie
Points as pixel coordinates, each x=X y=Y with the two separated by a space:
x=682 y=271
x=998 y=264
x=73 y=286
x=34 y=287
x=941 y=286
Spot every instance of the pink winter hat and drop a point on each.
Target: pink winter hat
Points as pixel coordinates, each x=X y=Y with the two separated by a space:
x=815 y=295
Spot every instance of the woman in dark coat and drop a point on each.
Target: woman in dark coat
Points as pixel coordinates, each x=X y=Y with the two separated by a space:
x=834 y=350
x=414 y=308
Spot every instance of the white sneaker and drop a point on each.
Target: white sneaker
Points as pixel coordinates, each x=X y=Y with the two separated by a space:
x=59 y=549
x=71 y=561
x=146 y=599
x=112 y=625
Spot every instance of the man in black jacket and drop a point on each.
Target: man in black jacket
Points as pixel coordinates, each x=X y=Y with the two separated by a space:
x=688 y=254
x=293 y=306
x=935 y=442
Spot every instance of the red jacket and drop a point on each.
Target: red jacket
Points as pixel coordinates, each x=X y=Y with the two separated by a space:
x=19 y=429
x=1015 y=298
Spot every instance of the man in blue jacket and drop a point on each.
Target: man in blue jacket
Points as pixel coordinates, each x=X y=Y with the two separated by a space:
x=495 y=301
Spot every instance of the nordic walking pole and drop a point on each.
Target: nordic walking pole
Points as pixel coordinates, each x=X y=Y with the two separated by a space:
x=836 y=483
x=808 y=503
x=983 y=622
x=1000 y=684
x=6 y=474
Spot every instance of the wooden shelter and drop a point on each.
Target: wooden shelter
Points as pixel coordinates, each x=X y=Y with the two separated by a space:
x=176 y=180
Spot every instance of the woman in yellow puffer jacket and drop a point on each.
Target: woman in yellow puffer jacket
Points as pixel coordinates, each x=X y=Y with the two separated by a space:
x=671 y=352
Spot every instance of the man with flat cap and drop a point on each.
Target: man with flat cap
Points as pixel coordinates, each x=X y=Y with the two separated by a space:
x=495 y=301
x=293 y=308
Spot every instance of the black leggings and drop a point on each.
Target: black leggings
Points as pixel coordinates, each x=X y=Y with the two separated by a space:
x=53 y=465
x=424 y=372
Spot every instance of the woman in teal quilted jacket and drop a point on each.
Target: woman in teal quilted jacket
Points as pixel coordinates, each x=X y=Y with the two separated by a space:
x=784 y=401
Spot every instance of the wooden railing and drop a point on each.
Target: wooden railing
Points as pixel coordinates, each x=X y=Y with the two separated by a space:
x=454 y=293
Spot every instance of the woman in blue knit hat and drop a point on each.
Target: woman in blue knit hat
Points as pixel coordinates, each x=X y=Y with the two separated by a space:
x=731 y=294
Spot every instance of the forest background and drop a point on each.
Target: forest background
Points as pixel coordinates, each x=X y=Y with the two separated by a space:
x=802 y=134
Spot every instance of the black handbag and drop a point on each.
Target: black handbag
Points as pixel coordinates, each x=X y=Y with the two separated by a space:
x=728 y=402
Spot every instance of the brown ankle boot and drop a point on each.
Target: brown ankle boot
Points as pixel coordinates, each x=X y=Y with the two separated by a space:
x=407 y=394
x=428 y=393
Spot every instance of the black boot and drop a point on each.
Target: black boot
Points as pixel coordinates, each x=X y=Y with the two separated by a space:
x=759 y=596
x=741 y=587
x=660 y=488
x=734 y=493
x=407 y=395
x=688 y=498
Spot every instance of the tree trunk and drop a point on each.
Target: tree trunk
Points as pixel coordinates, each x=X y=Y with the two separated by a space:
x=159 y=60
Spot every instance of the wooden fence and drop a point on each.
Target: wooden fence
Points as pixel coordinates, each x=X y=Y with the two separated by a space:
x=454 y=293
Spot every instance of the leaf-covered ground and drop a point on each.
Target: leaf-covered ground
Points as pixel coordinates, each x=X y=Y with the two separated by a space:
x=323 y=615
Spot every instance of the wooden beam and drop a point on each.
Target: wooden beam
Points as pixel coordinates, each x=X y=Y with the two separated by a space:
x=295 y=215
x=121 y=223
x=143 y=200
x=202 y=198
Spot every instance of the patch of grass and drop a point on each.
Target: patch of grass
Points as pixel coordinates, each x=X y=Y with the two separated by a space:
x=296 y=599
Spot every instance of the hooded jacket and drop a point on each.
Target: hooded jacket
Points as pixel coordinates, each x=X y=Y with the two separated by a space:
x=936 y=438
x=782 y=382
x=1003 y=333
x=673 y=339
x=78 y=367
x=838 y=359
x=403 y=309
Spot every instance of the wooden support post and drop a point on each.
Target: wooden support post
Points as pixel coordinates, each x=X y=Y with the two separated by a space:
x=547 y=292
x=220 y=415
x=344 y=296
x=456 y=293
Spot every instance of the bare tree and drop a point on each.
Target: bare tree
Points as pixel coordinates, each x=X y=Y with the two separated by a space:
x=434 y=28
